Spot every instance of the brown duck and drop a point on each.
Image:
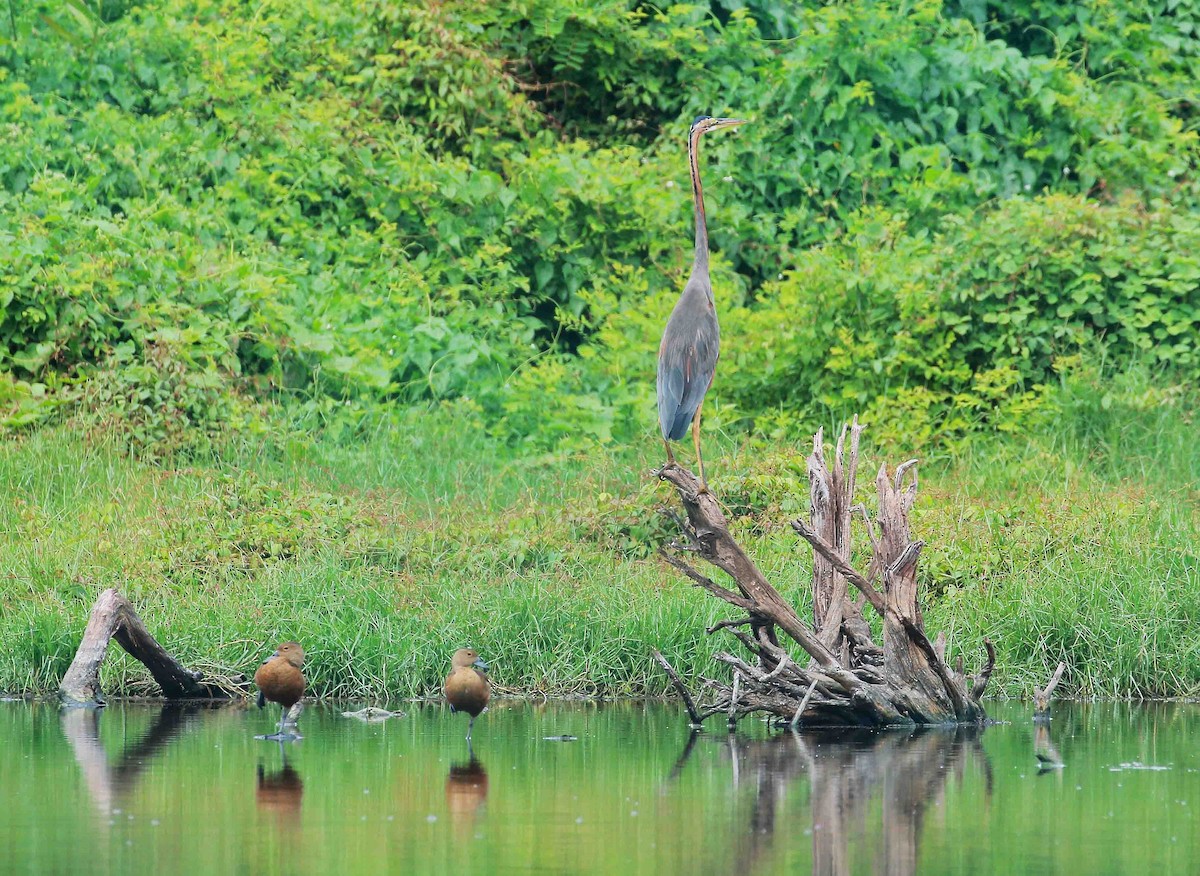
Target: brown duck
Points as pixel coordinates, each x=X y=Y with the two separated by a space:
x=467 y=689
x=280 y=680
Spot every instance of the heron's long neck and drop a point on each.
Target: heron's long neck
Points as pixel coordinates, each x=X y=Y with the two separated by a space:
x=701 y=260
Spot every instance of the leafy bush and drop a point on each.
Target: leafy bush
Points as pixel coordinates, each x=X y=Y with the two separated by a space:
x=1122 y=41
x=163 y=402
x=23 y=403
x=935 y=336
x=959 y=329
x=241 y=522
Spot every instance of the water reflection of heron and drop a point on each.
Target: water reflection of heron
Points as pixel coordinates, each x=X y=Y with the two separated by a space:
x=466 y=790
x=847 y=770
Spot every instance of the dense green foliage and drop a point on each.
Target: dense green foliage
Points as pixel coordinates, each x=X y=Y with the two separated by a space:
x=369 y=201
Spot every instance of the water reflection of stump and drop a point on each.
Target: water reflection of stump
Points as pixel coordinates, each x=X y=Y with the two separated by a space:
x=280 y=793
x=847 y=769
x=1044 y=749
x=466 y=790
x=110 y=779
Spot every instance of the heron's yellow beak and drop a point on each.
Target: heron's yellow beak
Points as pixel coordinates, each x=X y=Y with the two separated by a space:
x=726 y=123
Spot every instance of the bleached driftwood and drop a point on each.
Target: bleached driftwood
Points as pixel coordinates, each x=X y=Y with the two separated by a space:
x=113 y=617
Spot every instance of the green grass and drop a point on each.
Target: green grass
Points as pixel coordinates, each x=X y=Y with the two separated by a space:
x=384 y=551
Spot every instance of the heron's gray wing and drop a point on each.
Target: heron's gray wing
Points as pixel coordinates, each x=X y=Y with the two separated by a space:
x=670 y=387
x=687 y=360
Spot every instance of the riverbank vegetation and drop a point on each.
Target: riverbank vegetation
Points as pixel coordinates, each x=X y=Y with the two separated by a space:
x=337 y=322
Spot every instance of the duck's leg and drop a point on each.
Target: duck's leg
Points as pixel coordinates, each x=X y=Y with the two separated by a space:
x=470 y=725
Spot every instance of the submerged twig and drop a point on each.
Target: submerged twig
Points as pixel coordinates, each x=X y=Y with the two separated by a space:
x=684 y=694
x=803 y=704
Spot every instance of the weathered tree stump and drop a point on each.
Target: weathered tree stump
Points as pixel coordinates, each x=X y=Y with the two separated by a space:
x=113 y=617
x=845 y=678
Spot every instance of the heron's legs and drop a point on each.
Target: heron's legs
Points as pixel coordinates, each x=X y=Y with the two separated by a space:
x=670 y=454
x=696 y=440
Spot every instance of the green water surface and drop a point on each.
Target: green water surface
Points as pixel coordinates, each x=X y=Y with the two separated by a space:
x=139 y=788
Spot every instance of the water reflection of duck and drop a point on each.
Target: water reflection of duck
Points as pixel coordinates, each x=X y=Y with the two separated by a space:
x=280 y=680
x=467 y=688
x=466 y=789
x=280 y=792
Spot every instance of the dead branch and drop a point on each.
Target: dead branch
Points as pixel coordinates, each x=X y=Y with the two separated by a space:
x=733 y=699
x=729 y=624
x=708 y=584
x=827 y=551
x=803 y=704
x=980 y=682
x=716 y=545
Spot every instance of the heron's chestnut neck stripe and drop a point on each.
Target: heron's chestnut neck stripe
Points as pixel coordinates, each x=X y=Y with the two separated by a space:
x=701 y=262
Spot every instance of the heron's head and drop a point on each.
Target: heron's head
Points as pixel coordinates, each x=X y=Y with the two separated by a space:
x=704 y=124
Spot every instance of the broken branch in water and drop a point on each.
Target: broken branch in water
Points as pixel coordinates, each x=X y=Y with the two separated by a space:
x=684 y=695
x=1041 y=698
